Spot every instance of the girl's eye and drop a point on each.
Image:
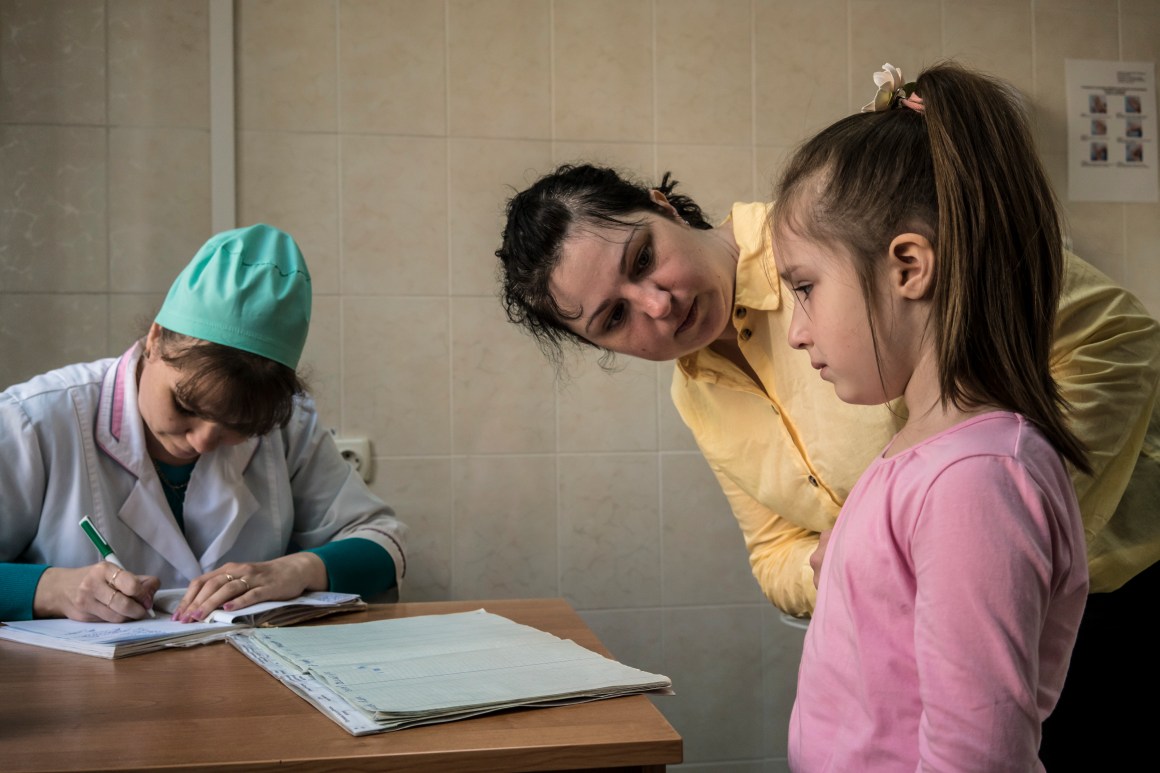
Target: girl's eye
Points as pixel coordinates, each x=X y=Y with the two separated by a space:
x=804 y=290
x=182 y=409
x=615 y=317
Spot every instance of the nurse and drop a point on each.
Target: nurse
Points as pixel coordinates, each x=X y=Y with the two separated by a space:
x=197 y=454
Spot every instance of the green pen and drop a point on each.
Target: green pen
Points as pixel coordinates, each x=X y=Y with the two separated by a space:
x=104 y=549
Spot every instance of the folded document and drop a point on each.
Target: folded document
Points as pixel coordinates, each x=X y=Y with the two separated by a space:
x=120 y=640
x=390 y=674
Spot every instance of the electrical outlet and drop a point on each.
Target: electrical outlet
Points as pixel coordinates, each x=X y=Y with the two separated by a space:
x=357 y=452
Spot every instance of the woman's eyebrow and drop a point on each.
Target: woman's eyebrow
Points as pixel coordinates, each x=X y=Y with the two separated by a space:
x=624 y=264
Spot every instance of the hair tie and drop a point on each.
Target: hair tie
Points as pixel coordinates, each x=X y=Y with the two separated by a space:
x=892 y=91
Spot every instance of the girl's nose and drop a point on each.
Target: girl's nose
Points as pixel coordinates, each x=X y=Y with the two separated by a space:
x=797 y=334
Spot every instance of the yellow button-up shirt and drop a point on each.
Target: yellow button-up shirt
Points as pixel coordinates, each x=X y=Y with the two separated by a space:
x=787 y=451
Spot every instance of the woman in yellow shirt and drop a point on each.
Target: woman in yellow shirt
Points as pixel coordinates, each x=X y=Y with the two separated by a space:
x=594 y=259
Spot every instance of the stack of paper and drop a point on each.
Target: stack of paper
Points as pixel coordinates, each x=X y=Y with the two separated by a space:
x=390 y=674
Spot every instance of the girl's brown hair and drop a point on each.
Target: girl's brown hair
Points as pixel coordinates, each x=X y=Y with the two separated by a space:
x=965 y=174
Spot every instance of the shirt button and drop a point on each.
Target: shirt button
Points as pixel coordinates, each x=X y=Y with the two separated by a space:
x=740 y=312
x=745 y=334
x=813 y=481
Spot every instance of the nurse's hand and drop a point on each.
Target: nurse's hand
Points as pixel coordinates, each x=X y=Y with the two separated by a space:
x=236 y=585
x=819 y=555
x=102 y=592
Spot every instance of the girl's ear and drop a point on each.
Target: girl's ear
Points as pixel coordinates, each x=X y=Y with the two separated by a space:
x=910 y=266
x=663 y=201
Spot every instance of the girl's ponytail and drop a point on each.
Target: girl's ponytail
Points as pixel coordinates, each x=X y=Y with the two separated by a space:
x=999 y=266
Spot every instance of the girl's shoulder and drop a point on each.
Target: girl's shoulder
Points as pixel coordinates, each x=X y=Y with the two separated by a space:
x=1001 y=437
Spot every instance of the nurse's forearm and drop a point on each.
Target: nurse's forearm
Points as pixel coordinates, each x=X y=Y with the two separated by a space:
x=18 y=584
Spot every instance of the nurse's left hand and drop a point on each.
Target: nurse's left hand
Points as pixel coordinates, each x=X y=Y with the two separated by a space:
x=238 y=585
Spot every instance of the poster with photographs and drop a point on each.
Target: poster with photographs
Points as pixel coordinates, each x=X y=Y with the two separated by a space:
x=1111 y=127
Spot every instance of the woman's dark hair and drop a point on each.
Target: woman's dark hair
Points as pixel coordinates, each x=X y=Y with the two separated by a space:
x=245 y=392
x=965 y=174
x=541 y=217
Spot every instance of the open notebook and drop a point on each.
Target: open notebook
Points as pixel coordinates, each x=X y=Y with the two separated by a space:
x=119 y=640
x=391 y=674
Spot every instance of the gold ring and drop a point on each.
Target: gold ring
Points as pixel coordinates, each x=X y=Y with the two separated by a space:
x=242 y=580
x=113 y=580
x=112 y=598
x=229 y=578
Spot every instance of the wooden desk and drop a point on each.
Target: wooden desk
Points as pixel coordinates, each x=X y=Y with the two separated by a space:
x=209 y=708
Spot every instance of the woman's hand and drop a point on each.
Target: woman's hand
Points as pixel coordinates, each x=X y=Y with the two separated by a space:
x=102 y=592
x=819 y=555
x=236 y=585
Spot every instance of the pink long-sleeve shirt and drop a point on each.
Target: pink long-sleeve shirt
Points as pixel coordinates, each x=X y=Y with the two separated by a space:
x=948 y=606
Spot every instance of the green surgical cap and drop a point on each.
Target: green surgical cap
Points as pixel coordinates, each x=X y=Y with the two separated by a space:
x=247 y=288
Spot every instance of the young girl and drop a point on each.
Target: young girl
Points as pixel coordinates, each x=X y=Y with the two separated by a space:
x=921 y=243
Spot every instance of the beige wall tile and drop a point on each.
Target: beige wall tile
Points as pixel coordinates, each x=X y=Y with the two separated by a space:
x=674 y=435
x=714 y=176
x=1060 y=35
x=801 y=76
x=52 y=196
x=421 y=492
x=39 y=332
x=483 y=175
x=1100 y=6
x=1141 y=35
x=392 y=75
x=395 y=374
x=500 y=65
x=52 y=61
x=771 y=161
x=130 y=315
x=159 y=63
x=1141 y=264
x=719 y=766
x=603 y=69
x=704 y=553
x=503 y=394
x=1055 y=166
x=712 y=654
x=1139 y=7
x=1097 y=235
x=608 y=411
x=505 y=527
x=159 y=204
x=287 y=74
x=322 y=358
x=875 y=21
x=634 y=637
x=290 y=181
x=636 y=160
x=704 y=72
x=781 y=652
x=609 y=530
x=995 y=38
x=394 y=215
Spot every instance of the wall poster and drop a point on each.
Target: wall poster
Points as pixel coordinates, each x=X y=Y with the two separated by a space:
x=1111 y=127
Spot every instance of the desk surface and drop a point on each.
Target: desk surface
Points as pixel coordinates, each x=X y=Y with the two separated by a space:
x=208 y=708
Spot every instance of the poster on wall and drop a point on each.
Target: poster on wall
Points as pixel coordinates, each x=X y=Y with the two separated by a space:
x=1111 y=131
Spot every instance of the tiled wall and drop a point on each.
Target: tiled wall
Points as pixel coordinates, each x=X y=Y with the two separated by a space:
x=386 y=134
